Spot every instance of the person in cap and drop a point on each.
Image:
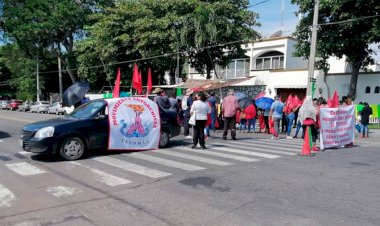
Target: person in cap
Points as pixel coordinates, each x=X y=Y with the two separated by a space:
x=161 y=99
x=275 y=113
x=229 y=108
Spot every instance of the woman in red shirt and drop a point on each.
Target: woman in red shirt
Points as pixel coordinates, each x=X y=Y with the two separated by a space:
x=250 y=116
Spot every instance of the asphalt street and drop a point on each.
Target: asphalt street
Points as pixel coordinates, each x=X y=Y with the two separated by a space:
x=251 y=181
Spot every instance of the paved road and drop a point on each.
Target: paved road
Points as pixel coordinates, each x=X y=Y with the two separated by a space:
x=252 y=181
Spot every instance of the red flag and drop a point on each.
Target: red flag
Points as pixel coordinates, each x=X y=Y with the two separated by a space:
x=149 y=85
x=139 y=91
x=335 y=100
x=297 y=102
x=136 y=79
x=116 y=90
x=289 y=104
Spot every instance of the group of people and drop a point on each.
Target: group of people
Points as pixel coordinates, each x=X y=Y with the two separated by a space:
x=206 y=110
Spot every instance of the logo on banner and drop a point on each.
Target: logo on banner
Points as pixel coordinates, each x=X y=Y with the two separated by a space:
x=136 y=128
x=134 y=124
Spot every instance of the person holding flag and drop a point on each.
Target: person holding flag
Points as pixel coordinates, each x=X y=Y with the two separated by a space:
x=308 y=118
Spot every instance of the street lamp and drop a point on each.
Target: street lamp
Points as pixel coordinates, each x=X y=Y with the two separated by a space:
x=176 y=26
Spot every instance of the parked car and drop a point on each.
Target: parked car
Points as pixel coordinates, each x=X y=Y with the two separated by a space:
x=4 y=104
x=56 y=108
x=40 y=106
x=85 y=128
x=24 y=106
x=13 y=105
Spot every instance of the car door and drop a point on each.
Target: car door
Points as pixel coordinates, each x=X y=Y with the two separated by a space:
x=100 y=129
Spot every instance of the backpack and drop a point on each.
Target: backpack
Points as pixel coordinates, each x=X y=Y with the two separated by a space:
x=184 y=103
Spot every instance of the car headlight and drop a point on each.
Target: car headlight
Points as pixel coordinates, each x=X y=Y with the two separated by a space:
x=45 y=132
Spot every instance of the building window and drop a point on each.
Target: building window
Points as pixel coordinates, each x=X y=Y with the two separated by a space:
x=367 y=89
x=238 y=68
x=270 y=60
x=377 y=89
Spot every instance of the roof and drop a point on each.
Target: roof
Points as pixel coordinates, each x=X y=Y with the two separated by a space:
x=208 y=84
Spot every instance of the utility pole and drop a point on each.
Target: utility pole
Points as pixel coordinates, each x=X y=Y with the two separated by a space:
x=60 y=78
x=38 y=78
x=313 y=47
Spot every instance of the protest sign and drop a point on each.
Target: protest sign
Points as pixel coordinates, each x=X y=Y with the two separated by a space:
x=337 y=126
x=134 y=124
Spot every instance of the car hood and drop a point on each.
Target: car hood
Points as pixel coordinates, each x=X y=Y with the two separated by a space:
x=51 y=122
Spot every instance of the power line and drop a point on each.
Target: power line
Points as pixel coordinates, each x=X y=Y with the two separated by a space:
x=259 y=3
x=152 y=57
x=349 y=20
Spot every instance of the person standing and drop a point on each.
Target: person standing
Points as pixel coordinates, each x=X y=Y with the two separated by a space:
x=266 y=120
x=187 y=101
x=201 y=109
x=229 y=107
x=250 y=115
x=276 y=111
x=290 y=115
x=161 y=99
x=308 y=117
x=365 y=113
x=212 y=101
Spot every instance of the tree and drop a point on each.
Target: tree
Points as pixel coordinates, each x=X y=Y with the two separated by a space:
x=135 y=30
x=48 y=24
x=213 y=23
x=347 y=28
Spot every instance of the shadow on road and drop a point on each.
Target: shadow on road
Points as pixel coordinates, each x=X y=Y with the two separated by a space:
x=4 y=135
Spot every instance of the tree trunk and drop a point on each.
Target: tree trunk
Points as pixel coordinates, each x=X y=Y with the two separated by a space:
x=354 y=78
x=208 y=71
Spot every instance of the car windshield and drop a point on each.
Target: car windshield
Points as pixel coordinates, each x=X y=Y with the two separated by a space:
x=87 y=110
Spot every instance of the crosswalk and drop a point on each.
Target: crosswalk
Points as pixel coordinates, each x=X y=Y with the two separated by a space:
x=131 y=169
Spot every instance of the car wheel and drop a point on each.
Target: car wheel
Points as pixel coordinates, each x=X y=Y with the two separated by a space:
x=72 y=148
x=164 y=139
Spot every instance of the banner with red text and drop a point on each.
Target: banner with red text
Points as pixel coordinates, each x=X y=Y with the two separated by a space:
x=134 y=124
x=337 y=126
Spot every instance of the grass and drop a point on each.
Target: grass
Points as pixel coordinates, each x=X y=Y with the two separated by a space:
x=374 y=126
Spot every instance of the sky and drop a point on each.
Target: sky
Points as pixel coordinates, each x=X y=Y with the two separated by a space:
x=270 y=16
x=270 y=19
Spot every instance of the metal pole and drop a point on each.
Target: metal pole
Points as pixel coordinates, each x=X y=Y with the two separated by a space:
x=177 y=70
x=60 y=78
x=313 y=46
x=38 y=78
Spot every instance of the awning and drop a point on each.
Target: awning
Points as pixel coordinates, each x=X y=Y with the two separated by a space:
x=289 y=86
x=207 y=84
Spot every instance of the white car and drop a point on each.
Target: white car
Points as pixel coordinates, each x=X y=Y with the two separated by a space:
x=40 y=106
x=56 y=108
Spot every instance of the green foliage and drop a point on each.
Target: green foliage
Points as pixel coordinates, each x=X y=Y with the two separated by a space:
x=48 y=24
x=351 y=39
x=145 y=28
x=22 y=69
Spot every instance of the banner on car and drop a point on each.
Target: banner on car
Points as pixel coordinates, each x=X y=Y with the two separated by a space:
x=337 y=126
x=134 y=124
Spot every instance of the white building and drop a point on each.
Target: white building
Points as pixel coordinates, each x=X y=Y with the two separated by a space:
x=271 y=67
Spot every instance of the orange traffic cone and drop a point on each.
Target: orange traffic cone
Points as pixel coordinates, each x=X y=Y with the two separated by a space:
x=306 y=150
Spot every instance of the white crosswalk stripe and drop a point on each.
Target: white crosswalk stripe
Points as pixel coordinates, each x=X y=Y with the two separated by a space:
x=6 y=197
x=260 y=148
x=237 y=151
x=166 y=162
x=195 y=158
x=269 y=146
x=25 y=168
x=132 y=167
x=234 y=157
x=104 y=177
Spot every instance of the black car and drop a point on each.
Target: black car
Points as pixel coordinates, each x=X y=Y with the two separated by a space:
x=85 y=128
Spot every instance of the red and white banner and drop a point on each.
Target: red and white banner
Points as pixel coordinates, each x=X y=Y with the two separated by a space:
x=337 y=126
x=134 y=124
